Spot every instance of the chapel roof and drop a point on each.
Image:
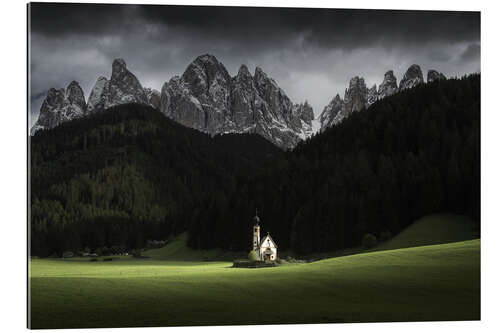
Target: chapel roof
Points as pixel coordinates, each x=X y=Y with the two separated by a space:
x=266 y=236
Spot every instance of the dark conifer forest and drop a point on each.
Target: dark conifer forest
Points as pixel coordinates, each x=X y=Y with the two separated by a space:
x=129 y=174
x=408 y=155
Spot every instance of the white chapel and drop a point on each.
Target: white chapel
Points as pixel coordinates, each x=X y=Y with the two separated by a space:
x=266 y=248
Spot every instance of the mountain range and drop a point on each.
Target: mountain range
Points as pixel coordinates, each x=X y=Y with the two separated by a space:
x=204 y=97
x=357 y=96
x=207 y=98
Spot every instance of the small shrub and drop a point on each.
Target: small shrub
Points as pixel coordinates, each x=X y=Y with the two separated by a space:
x=93 y=259
x=253 y=256
x=369 y=241
x=107 y=259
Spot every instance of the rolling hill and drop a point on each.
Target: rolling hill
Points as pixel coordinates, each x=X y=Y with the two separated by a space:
x=434 y=229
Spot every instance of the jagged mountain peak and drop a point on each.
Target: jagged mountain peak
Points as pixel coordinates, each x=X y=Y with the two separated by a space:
x=205 y=97
x=372 y=95
x=357 y=96
x=207 y=77
x=54 y=96
x=206 y=58
x=332 y=112
x=305 y=112
x=261 y=77
x=243 y=72
x=173 y=79
x=75 y=95
x=73 y=84
x=118 y=67
x=356 y=80
x=389 y=85
x=208 y=64
x=60 y=105
x=264 y=81
x=123 y=87
x=95 y=101
x=412 y=77
x=259 y=71
x=200 y=98
x=153 y=96
x=433 y=75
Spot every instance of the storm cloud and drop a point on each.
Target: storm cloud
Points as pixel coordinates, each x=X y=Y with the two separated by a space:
x=311 y=53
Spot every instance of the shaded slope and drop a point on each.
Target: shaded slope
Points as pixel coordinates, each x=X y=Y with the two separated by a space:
x=434 y=229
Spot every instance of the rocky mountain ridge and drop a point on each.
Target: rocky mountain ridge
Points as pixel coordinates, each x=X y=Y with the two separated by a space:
x=204 y=97
x=207 y=98
x=122 y=87
x=357 y=96
x=61 y=105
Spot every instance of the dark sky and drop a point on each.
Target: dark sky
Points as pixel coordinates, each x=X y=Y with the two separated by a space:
x=311 y=53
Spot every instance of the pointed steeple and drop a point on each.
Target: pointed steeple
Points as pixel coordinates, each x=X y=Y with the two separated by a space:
x=256 y=217
x=256 y=232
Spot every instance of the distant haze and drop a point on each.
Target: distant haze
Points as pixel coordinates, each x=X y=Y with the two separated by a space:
x=311 y=53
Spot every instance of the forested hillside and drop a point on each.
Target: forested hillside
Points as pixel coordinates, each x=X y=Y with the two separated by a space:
x=120 y=177
x=129 y=174
x=408 y=155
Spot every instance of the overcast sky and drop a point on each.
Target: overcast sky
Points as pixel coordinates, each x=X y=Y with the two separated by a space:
x=311 y=53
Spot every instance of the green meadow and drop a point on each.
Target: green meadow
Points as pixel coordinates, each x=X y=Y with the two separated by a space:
x=436 y=282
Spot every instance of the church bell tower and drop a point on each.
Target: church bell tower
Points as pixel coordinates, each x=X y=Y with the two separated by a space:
x=256 y=232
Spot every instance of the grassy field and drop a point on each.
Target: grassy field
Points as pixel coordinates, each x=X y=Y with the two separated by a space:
x=177 y=250
x=438 y=282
